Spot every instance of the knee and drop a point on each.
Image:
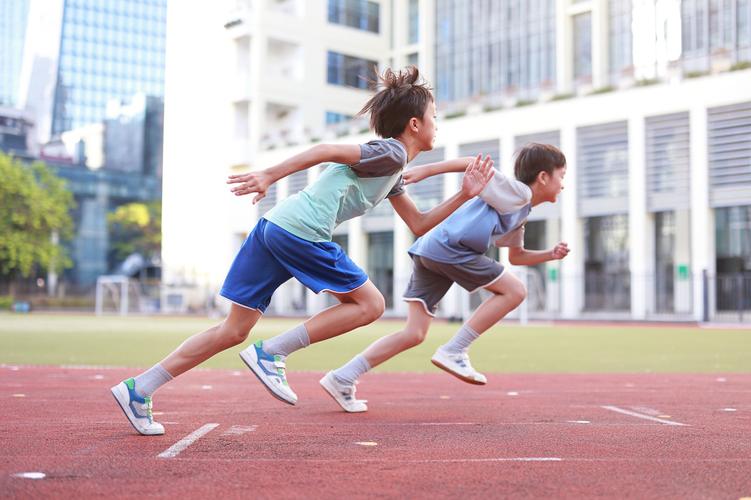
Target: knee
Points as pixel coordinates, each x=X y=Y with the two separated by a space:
x=234 y=335
x=518 y=293
x=373 y=309
x=414 y=336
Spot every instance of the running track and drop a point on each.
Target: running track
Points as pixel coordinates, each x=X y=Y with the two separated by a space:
x=426 y=436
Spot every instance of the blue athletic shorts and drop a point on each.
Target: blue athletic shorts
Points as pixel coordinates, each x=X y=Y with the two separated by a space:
x=270 y=256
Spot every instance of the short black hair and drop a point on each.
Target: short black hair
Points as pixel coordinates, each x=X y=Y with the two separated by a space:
x=403 y=95
x=534 y=158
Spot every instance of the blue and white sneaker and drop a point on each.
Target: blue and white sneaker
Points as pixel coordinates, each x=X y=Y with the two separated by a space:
x=458 y=365
x=270 y=370
x=344 y=394
x=136 y=408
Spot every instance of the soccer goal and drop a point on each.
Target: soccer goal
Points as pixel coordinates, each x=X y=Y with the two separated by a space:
x=118 y=295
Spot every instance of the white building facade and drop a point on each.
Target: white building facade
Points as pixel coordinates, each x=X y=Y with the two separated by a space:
x=657 y=205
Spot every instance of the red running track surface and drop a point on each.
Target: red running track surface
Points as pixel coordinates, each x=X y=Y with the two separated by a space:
x=425 y=436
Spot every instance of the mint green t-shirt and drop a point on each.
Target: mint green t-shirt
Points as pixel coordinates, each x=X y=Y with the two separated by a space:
x=343 y=192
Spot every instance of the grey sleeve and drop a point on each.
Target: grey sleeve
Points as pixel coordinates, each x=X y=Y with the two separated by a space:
x=380 y=158
x=514 y=238
x=397 y=189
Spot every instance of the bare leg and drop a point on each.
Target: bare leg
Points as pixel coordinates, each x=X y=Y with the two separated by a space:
x=201 y=346
x=508 y=292
x=357 y=308
x=414 y=332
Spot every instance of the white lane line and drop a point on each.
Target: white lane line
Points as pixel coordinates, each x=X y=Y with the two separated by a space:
x=639 y=415
x=443 y=423
x=239 y=430
x=188 y=440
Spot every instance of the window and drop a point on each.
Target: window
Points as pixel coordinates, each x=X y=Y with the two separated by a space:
x=359 y=14
x=620 y=37
x=413 y=36
x=333 y=117
x=381 y=264
x=583 y=46
x=494 y=47
x=350 y=71
x=607 y=278
x=733 y=243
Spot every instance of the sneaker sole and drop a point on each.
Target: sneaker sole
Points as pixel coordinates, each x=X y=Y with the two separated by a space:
x=250 y=365
x=120 y=405
x=331 y=391
x=457 y=375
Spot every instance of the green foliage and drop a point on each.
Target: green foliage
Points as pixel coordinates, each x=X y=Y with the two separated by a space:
x=455 y=114
x=646 y=82
x=740 y=66
x=489 y=108
x=135 y=227
x=6 y=301
x=34 y=204
x=696 y=74
x=603 y=90
x=562 y=97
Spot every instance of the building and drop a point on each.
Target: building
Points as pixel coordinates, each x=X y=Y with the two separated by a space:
x=80 y=54
x=134 y=134
x=13 y=14
x=649 y=99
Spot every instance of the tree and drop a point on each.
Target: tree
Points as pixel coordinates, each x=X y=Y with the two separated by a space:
x=35 y=207
x=135 y=228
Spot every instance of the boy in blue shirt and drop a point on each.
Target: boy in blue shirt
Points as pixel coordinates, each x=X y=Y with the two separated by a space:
x=294 y=240
x=454 y=252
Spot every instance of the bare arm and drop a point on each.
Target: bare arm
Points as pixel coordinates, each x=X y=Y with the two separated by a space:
x=520 y=256
x=259 y=181
x=416 y=174
x=475 y=178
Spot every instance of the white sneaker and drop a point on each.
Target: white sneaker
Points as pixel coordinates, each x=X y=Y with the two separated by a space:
x=136 y=408
x=270 y=370
x=343 y=394
x=458 y=365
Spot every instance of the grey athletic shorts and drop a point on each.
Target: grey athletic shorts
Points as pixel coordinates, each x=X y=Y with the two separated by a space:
x=431 y=280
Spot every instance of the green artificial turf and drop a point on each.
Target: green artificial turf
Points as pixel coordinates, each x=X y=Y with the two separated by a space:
x=63 y=339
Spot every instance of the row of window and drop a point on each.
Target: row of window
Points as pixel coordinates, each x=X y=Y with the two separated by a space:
x=494 y=46
x=488 y=46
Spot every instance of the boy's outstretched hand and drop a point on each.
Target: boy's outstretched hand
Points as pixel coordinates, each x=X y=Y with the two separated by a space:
x=252 y=182
x=559 y=251
x=477 y=176
x=414 y=174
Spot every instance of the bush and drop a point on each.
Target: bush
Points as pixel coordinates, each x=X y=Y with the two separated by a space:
x=6 y=301
x=44 y=302
x=740 y=66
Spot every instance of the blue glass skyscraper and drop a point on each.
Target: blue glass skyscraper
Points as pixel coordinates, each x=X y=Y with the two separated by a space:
x=108 y=50
x=13 y=15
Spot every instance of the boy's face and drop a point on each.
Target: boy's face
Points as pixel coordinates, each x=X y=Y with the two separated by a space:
x=554 y=184
x=426 y=131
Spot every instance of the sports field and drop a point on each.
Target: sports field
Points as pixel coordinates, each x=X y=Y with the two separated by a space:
x=569 y=411
x=42 y=339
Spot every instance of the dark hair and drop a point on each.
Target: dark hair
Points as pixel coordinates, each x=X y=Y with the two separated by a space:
x=402 y=95
x=534 y=158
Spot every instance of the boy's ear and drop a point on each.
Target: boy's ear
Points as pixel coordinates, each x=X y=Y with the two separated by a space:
x=414 y=124
x=543 y=177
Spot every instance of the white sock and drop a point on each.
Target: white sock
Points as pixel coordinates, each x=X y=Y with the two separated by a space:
x=461 y=340
x=288 y=342
x=350 y=372
x=152 y=379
